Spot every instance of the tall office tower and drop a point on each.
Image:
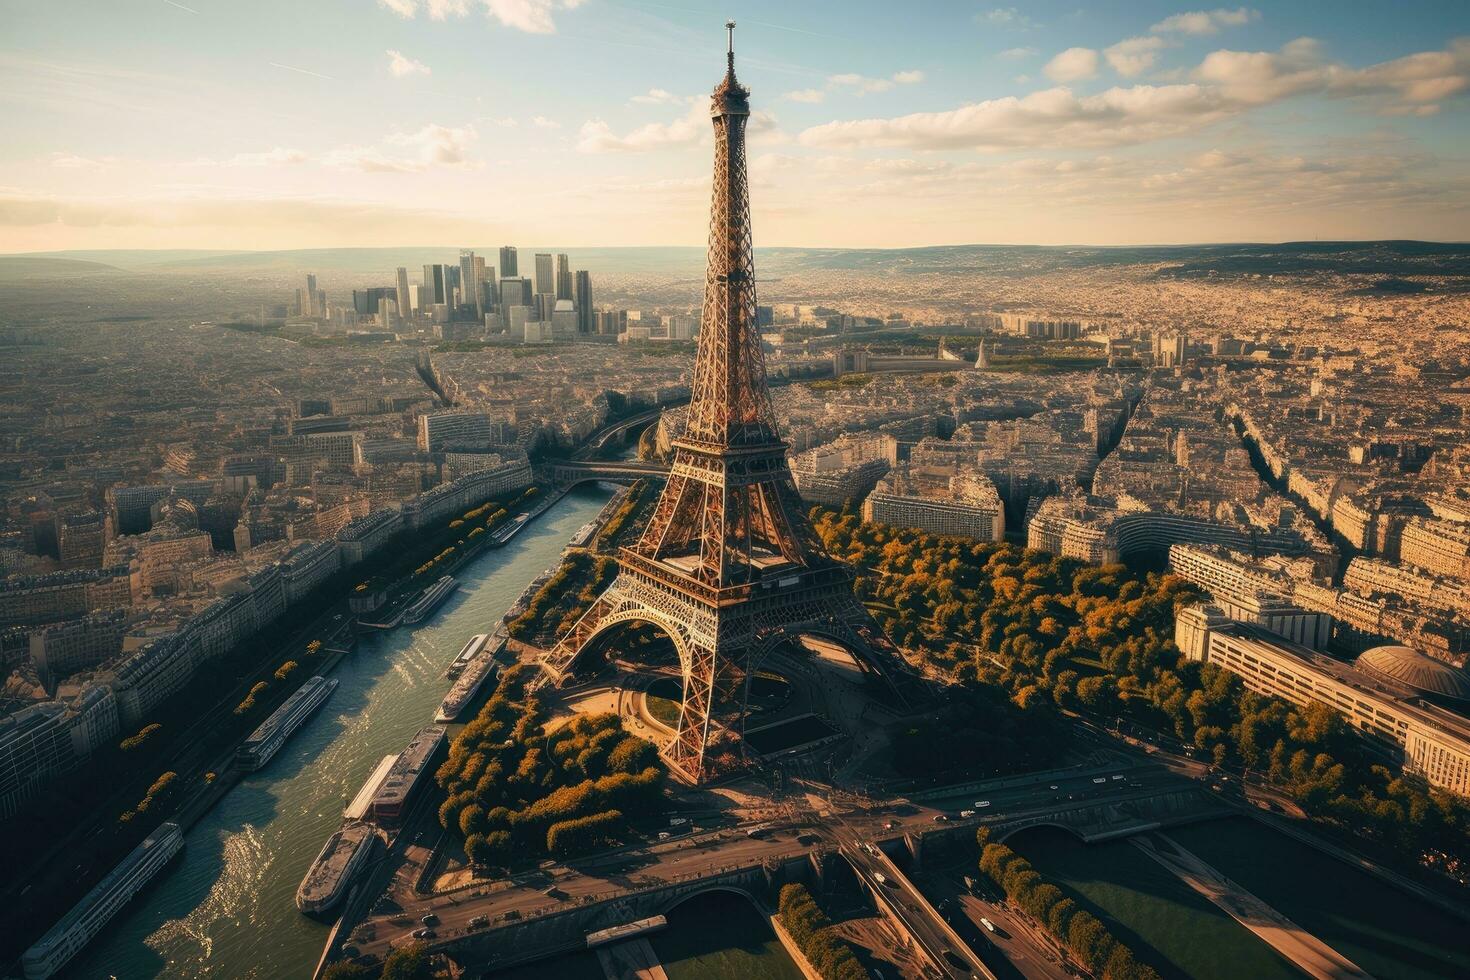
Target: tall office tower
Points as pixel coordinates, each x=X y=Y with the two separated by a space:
x=515 y=292
x=586 y=316
x=403 y=304
x=471 y=281
x=508 y=268
x=727 y=566
x=489 y=290
x=563 y=277
x=545 y=278
x=439 y=283
x=309 y=308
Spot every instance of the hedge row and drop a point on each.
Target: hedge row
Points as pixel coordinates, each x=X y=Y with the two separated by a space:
x=597 y=832
x=812 y=931
x=1075 y=927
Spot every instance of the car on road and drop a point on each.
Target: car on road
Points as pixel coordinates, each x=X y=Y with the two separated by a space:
x=430 y=919
x=981 y=804
x=989 y=926
x=479 y=922
x=889 y=825
x=940 y=818
x=424 y=933
x=1118 y=776
x=880 y=877
x=1100 y=779
x=1053 y=786
x=663 y=835
x=967 y=813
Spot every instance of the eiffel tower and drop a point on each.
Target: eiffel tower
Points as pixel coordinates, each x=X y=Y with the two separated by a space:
x=727 y=564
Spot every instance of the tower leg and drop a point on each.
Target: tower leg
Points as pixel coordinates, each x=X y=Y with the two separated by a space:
x=558 y=663
x=709 y=718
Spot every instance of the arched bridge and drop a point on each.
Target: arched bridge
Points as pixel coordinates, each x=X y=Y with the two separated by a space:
x=618 y=431
x=566 y=472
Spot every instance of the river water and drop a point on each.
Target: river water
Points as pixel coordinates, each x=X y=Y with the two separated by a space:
x=226 y=907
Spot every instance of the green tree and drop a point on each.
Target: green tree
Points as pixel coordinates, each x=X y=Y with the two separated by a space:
x=409 y=962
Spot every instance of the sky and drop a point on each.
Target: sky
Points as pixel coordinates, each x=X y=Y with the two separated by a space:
x=270 y=124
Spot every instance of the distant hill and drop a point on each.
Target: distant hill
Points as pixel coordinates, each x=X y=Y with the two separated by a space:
x=1378 y=258
x=14 y=267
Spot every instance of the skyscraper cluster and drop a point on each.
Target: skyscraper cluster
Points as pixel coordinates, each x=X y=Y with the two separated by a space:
x=472 y=299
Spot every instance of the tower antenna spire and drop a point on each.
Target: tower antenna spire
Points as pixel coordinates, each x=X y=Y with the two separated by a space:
x=730 y=45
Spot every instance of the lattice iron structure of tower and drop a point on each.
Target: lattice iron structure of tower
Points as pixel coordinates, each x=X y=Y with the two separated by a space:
x=727 y=564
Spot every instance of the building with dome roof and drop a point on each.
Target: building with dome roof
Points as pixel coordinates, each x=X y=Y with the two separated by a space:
x=1432 y=678
x=1408 y=702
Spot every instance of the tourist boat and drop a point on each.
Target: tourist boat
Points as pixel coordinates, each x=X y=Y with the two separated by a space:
x=266 y=741
x=78 y=927
x=327 y=880
x=430 y=600
x=472 y=678
x=466 y=654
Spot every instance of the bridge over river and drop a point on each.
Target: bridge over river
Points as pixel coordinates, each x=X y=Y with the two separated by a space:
x=551 y=910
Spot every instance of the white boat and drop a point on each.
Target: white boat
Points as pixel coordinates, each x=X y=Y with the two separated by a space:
x=330 y=875
x=466 y=654
x=430 y=600
x=473 y=676
x=266 y=741
x=77 y=928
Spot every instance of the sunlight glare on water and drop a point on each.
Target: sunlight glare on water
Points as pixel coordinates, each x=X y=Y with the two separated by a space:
x=226 y=907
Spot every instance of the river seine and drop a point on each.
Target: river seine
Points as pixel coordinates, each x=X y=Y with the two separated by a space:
x=226 y=908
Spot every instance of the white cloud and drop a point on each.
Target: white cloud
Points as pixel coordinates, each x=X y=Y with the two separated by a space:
x=531 y=16
x=861 y=84
x=402 y=66
x=1073 y=64
x=72 y=161
x=1006 y=17
x=858 y=82
x=1202 y=22
x=429 y=147
x=541 y=122
x=596 y=136
x=267 y=158
x=806 y=95
x=1133 y=56
x=1015 y=54
x=1051 y=118
x=658 y=96
x=1226 y=84
x=1415 y=83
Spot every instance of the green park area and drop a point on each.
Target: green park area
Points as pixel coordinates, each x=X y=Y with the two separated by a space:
x=1048 y=634
x=516 y=792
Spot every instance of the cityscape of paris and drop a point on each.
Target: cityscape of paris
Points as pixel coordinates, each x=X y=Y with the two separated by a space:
x=677 y=491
